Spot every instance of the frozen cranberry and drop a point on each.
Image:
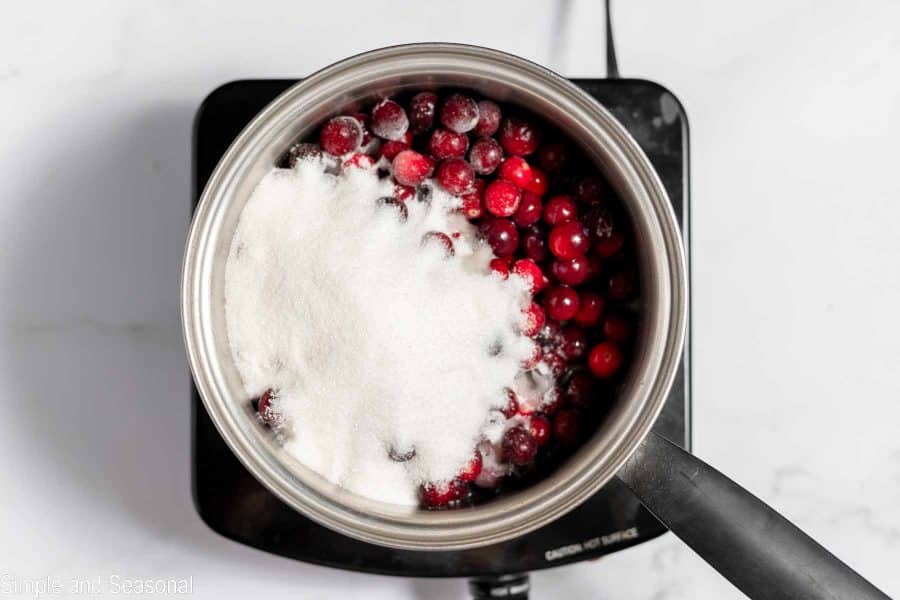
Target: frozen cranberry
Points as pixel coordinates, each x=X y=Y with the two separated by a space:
x=459 y=113
x=473 y=201
x=515 y=170
x=561 y=302
x=574 y=343
x=568 y=240
x=389 y=120
x=617 y=327
x=621 y=286
x=538 y=183
x=363 y=120
x=589 y=190
x=589 y=310
x=472 y=469
x=534 y=243
x=298 y=152
x=555 y=361
x=539 y=428
x=421 y=112
x=438 y=238
x=392 y=148
x=440 y=494
x=403 y=192
x=500 y=266
x=518 y=446
x=455 y=175
x=535 y=357
x=266 y=411
x=534 y=319
x=518 y=136
x=501 y=235
x=501 y=198
x=397 y=205
x=529 y=211
x=411 y=168
x=570 y=272
x=448 y=144
x=488 y=118
x=565 y=427
x=485 y=155
x=605 y=360
x=549 y=335
x=529 y=270
x=552 y=157
x=580 y=390
x=341 y=135
x=512 y=404
x=560 y=209
x=359 y=161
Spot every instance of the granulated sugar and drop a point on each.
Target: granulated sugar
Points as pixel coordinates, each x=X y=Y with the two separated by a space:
x=374 y=343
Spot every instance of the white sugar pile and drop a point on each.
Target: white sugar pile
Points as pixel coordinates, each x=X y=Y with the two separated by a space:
x=371 y=341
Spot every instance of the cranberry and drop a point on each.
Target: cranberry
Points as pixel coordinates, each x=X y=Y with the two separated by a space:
x=595 y=267
x=448 y=144
x=617 y=327
x=341 y=135
x=298 y=152
x=539 y=428
x=488 y=118
x=621 y=285
x=538 y=183
x=397 y=205
x=485 y=155
x=518 y=137
x=440 y=494
x=518 y=446
x=568 y=240
x=363 y=120
x=389 y=120
x=421 y=112
x=529 y=211
x=515 y=170
x=607 y=238
x=561 y=302
x=500 y=266
x=574 y=343
x=549 y=335
x=359 y=161
x=560 y=209
x=605 y=359
x=459 y=113
x=570 y=272
x=411 y=168
x=456 y=176
x=501 y=198
x=436 y=237
x=552 y=157
x=580 y=390
x=589 y=310
x=555 y=361
x=473 y=202
x=534 y=243
x=403 y=192
x=534 y=319
x=266 y=410
x=392 y=148
x=512 y=404
x=472 y=469
x=535 y=357
x=565 y=427
x=529 y=270
x=501 y=235
x=589 y=190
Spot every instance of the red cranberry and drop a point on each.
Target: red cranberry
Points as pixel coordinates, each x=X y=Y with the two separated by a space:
x=411 y=168
x=611 y=245
x=621 y=285
x=539 y=428
x=488 y=118
x=473 y=202
x=580 y=390
x=501 y=198
x=534 y=243
x=472 y=469
x=568 y=240
x=555 y=361
x=392 y=148
x=605 y=360
x=538 y=183
x=518 y=137
x=421 y=112
x=438 y=238
x=529 y=270
x=529 y=211
x=512 y=404
x=515 y=170
x=560 y=209
x=456 y=176
x=534 y=319
x=341 y=135
x=518 y=446
x=500 y=266
x=549 y=335
x=552 y=157
x=448 y=144
x=574 y=343
x=532 y=361
x=459 y=113
x=589 y=190
x=440 y=494
x=502 y=236
x=403 y=192
x=606 y=237
x=561 y=302
x=389 y=120
x=485 y=156
x=617 y=327
x=565 y=427
x=570 y=272
x=595 y=267
x=265 y=409
x=589 y=310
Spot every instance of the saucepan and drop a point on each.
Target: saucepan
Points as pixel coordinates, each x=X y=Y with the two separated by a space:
x=757 y=549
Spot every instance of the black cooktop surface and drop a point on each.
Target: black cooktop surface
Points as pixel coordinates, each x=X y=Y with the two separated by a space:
x=235 y=505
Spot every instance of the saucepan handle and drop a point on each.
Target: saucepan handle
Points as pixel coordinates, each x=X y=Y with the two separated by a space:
x=754 y=547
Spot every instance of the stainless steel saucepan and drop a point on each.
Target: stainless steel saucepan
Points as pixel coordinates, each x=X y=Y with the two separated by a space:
x=757 y=549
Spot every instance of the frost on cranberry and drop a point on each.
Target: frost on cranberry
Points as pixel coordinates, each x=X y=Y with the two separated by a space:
x=539 y=428
x=534 y=320
x=459 y=113
x=455 y=175
x=500 y=266
x=472 y=468
x=519 y=446
x=389 y=120
x=396 y=205
x=298 y=152
x=501 y=198
x=529 y=270
x=442 y=240
x=518 y=136
x=447 y=144
x=266 y=410
x=421 y=112
x=485 y=156
x=341 y=135
x=606 y=235
x=411 y=168
x=359 y=161
x=488 y=118
x=437 y=495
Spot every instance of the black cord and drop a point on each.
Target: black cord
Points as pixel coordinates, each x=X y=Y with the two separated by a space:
x=612 y=65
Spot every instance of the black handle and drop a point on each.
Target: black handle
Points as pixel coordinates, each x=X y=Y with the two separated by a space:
x=754 y=547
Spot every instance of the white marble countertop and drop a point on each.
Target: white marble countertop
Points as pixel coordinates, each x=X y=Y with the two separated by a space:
x=795 y=116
